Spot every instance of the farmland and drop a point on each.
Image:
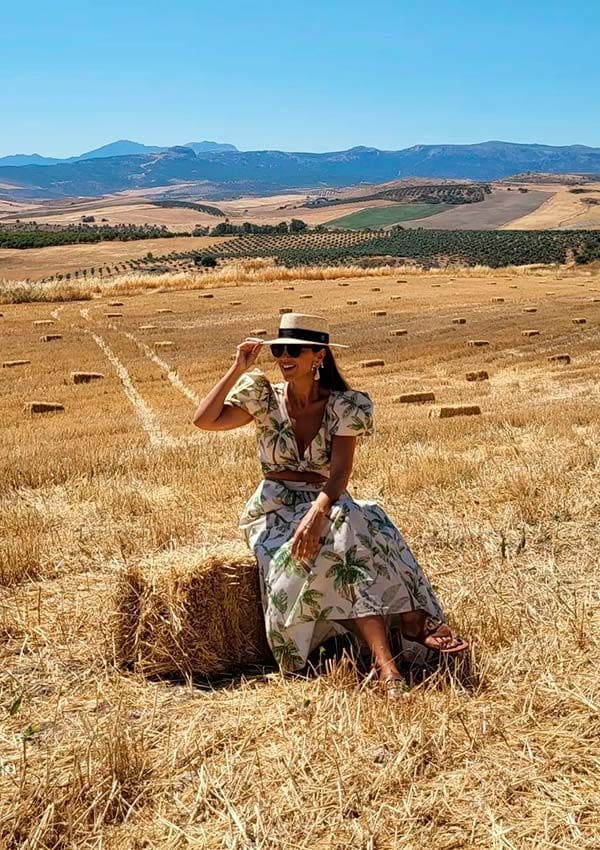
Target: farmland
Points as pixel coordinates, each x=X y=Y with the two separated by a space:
x=377 y=217
x=501 y=509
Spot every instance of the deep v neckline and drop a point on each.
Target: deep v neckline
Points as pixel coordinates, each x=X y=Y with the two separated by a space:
x=289 y=419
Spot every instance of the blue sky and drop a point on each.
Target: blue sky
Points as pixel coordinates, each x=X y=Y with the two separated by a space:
x=313 y=75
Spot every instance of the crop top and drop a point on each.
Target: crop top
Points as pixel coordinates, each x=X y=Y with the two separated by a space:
x=348 y=413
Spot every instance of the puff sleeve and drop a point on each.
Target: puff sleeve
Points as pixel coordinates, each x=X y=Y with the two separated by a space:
x=353 y=415
x=251 y=393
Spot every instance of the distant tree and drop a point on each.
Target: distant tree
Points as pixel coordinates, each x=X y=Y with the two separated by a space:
x=297 y=226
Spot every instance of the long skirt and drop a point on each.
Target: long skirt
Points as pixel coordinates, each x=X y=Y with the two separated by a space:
x=363 y=567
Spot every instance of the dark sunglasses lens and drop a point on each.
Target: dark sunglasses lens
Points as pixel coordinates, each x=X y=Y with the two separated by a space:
x=294 y=350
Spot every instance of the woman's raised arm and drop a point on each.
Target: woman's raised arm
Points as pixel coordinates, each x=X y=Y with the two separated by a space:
x=212 y=414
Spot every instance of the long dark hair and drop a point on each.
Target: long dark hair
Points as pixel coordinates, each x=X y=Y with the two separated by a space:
x=331 y=377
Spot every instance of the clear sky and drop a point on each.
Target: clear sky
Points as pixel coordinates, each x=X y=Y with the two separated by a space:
x=310 y=75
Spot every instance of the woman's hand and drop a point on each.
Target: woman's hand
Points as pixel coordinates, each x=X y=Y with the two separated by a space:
x=247 y=353
x=307 y=538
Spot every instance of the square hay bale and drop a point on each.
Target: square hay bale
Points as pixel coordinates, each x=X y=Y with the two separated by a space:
x=352 y=302
x=379 y=312
x=43 y=407
x=164 y=343
x=580 y=320
x=399 y=332
x=513 y=286
x=560 y=358
x=401 y=280
x=115 y=303
x=530 y=310
x=498 y=300
x=340 y=283
x=435 y=285
x=530 y=332
x=306 y=296
x=43 y=322
x=235 y=303
x=477 y=343
x=113 y=315
x=292 y=287
x=180 y=612
x=455 y=410
x=375 y=289
x=477 y=375
x=207 y=295
x=259 y=332
x=8 y=364
x=148 y=327
x=395 y=297
x=551 y=292
x=283 y=310
x=164 y=310
x=367 y=364
x=595 y=300
x=413 y=398
x=459 y=320
x=85 y=377
x=50 y=337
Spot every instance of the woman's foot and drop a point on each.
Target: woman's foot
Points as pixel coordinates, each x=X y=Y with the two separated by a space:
x=432 y=633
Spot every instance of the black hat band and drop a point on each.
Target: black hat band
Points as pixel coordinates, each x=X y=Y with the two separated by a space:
x=301 y=333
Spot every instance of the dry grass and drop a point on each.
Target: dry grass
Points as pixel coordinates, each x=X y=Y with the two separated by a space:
x=501 y=509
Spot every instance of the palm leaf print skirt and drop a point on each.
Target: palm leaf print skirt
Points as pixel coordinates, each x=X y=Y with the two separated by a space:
x=363 y=567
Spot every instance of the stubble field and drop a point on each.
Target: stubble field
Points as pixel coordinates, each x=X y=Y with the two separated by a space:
x=501 y=510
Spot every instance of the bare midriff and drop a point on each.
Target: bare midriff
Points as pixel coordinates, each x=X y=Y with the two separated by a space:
x=295 y=475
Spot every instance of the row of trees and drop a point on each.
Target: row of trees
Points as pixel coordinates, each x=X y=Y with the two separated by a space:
x=14 y=237
x=225 y=228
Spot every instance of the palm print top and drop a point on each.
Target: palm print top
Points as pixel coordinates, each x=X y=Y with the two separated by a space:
x=348 y=413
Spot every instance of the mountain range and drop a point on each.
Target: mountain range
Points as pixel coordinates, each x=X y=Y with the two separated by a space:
x=224 y=171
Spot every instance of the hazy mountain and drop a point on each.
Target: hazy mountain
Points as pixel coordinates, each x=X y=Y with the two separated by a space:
x=123 y=147
x=271 y=171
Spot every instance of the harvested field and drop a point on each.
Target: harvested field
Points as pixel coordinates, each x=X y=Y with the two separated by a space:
x=497 y=210
x=119 y=492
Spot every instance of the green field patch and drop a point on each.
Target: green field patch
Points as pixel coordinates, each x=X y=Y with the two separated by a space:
x=384 y=216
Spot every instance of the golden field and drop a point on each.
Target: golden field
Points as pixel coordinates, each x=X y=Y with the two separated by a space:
x=501 y=509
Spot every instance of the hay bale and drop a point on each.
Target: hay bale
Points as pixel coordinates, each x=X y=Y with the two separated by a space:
x=43 y=407
x=455 y=410
x=435 y=285
x=477 y=343
x=560 y=358
x=259 y=332
x=513 y=286
x=164 y=310
x=113 y=315
x=401 y=280
x=595 y=300
x=530 y=332
x=580 y=320
x=399 y=332
x=477 y=375
x=43 y=322
x=148 y=327
x=164 y=343
x=379 y=312
x=375 y=289
x=115 y=303
x=50 y=337
x=351 y=302
x=366 y=364
x=181 y=613
x=340 y=283
x=85 y=377
x=235 y=303
x=292 y=287
x=306 y=296
x=395 y=297
x=207 y=295
x=283 y=310
x=497 y=300
x=530 y=310
x=8 y=364
x=413 y=398
x=551 y=293
x=459 y=320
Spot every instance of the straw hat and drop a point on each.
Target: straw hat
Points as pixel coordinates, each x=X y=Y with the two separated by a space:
x=303 y=329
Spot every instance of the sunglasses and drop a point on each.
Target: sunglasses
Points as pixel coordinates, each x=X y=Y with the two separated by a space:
x=293 y=349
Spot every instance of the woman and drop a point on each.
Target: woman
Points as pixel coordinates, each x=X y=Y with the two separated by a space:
x=327 y=562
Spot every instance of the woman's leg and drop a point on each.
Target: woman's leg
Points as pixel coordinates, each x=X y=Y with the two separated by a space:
x=373 y=631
